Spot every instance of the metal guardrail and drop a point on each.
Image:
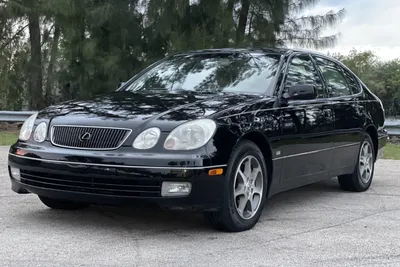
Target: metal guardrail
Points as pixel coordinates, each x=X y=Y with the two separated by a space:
x=15 y=116
x=392 y=125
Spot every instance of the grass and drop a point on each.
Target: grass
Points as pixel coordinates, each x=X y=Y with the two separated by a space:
x=8 y=138
x=392 y=151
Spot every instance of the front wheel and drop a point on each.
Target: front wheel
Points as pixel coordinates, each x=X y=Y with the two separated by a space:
x=245 y=192
x=360 y=180
x=62 y=204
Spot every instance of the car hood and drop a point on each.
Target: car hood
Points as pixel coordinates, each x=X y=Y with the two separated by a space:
x=127 y=109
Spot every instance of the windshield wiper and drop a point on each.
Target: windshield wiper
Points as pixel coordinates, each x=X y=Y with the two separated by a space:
x=194 y=91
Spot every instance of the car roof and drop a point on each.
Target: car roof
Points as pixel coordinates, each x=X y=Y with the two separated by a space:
x=272 y=50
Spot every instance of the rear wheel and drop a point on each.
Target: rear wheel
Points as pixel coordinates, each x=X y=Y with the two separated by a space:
x=245 y=191
x=62 y=204
x=360 y=180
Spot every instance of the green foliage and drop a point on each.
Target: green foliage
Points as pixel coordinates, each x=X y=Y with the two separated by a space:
x=392 y=151
x=382 y=78
x=361 y=63
x=7 y=139
x=88 y=47
x=306 y=31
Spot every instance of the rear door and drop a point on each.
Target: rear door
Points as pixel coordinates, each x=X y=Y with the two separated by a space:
x=344 y=92
x=307 y=139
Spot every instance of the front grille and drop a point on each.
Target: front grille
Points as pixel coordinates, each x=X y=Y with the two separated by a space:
x=102 y=186
x=84 y=137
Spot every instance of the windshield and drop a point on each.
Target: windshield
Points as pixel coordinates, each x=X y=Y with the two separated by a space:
x=209 y=73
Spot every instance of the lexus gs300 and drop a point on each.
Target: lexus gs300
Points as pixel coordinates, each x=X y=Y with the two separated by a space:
x=219 y=131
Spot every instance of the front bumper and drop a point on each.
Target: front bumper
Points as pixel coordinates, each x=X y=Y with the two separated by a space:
x=49 y=174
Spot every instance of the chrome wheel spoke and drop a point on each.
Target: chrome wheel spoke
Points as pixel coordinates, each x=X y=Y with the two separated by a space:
x=253 y=204
x=365 y=150
x=368 y=170
x=363 y=174
x=242 y=205
x=247 y=167
x=255 y=173
x=239 y=191
x=370 y=160
x=242 y=176
x=257 y=191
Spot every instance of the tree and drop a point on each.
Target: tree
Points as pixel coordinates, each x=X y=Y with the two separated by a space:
x=35 y=66
x=382 y=78
x=360 y=62
x=53 y=60
x=385 y=82
x=66 y=49
x=306 y=31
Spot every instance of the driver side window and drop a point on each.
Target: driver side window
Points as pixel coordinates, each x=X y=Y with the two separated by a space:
x=301 y=70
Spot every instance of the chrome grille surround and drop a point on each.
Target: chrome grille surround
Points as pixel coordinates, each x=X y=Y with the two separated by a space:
x=102 y=138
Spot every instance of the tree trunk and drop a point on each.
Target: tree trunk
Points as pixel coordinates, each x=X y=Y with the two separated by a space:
x=243 y=15
x=53 y=58
x=227 y=22
x=250 y=22
x=81 y=90
x=231 y=3
x=35 y=82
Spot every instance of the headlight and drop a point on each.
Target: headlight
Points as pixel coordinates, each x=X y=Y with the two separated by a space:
x=40 y=132
x=190 y=135
x=147 y=139
x=27 y=127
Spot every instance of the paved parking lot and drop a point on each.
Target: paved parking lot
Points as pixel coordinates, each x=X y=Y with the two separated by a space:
x=318 y=225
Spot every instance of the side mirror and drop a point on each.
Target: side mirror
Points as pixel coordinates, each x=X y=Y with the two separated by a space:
x=302 y=92
x=121 y=84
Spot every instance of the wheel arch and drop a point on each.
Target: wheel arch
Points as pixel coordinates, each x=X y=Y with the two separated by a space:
x=373 y=133
x=263 y=144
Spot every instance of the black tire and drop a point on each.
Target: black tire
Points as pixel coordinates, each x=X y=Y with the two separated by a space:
x=62 y=204
x=354 y=182
x=227 y=217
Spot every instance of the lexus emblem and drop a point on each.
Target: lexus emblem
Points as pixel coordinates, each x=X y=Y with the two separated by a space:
x=85 y=137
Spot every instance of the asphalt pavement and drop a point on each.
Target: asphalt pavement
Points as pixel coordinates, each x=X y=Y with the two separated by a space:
x=317 y=225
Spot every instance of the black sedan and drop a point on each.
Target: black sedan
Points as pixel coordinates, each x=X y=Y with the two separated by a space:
x=218 y=131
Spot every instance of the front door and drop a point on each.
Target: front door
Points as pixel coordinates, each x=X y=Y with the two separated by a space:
x=307 y=139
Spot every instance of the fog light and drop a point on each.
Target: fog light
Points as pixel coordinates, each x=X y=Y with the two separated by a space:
x=175 y=189
x=15 y=173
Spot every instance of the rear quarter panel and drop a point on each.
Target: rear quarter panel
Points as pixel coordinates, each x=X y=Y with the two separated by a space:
x=374 y=112
x=375 y=115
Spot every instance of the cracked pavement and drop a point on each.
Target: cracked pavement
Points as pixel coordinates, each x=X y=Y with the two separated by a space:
x=317 y=225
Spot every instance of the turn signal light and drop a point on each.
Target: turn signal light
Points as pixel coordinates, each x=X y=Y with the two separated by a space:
x=20 y=152
x=215 y=172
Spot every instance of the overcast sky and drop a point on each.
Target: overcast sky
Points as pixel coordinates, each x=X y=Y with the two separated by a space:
x=369 y=24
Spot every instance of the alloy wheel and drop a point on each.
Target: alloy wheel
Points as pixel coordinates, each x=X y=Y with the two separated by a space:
x=366 y=162
x=248 y=187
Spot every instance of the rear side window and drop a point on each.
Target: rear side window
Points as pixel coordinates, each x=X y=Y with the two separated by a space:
x=337 y=83
x=354 y=85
